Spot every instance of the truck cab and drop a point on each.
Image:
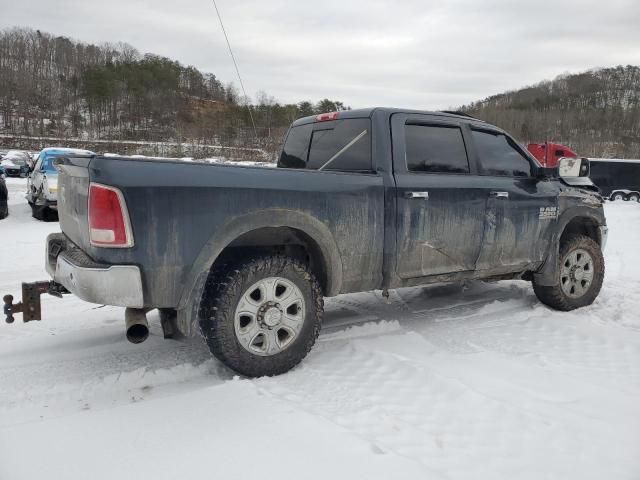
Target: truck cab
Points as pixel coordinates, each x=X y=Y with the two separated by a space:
x=548 y=154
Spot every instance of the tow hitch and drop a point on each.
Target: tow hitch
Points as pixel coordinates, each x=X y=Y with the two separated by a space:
x=30 y=304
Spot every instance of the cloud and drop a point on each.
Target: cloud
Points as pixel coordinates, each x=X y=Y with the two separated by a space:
x=420 y=54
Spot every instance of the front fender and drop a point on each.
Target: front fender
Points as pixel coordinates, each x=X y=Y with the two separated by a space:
x=224 y=236
x=547 y=275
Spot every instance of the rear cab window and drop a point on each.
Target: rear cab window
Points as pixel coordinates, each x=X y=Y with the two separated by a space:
x=342 y=145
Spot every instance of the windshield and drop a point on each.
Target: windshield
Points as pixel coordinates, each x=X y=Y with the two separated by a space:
x=47 y=164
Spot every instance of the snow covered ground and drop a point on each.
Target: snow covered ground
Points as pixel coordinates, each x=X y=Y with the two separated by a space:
x=443 y=382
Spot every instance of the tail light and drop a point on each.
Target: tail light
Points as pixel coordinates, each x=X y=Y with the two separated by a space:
x=109 y=224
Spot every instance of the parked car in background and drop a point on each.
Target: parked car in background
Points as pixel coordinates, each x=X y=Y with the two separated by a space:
x=42 y=187
x=16 y=163
x=4 y=194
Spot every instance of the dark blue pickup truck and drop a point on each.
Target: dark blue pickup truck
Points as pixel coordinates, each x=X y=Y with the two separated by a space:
x=360 y=200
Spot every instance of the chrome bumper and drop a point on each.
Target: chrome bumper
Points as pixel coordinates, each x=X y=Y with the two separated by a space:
x=604 y=234
x=119 y=285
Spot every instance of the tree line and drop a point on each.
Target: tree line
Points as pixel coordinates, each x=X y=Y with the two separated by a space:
x=596 y=113
x=56 y=87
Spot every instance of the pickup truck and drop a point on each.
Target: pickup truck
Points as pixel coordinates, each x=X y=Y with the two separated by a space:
x=360 y=200
x=42 y=186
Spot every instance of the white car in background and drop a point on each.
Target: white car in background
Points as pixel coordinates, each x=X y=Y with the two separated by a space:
x=15 y=163
x=42 y=186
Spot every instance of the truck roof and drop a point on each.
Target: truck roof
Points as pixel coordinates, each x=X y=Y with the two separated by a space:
x=367 y=112
x=66 y=151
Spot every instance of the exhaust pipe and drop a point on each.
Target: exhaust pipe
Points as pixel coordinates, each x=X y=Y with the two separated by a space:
x=135 y=320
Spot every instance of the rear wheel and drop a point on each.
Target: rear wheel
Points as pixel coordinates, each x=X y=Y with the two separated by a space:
x=579 y=278
x=617 y=197
x=633 y=197
x=4 y=209
x=262 y=316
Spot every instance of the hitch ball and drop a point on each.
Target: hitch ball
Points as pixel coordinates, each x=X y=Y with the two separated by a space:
x=8 y=308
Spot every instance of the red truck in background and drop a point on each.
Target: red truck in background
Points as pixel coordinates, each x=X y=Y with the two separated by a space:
x=548 y=153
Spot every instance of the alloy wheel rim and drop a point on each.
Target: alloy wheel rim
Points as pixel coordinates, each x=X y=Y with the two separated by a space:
x=269 y=316
x=576 y=273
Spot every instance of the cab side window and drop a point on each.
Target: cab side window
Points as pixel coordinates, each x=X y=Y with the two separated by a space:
x=499 y=155
x=435 y=149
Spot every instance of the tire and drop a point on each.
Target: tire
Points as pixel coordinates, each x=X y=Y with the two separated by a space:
x=617 y=197
x=43 y=213
x=37 y=212
x=4 y=209
x=570 y=292
x=267 y=338
x=633 y=197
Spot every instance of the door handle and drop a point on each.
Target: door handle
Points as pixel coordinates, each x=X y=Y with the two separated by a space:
x=499 y=194
x=422 y=195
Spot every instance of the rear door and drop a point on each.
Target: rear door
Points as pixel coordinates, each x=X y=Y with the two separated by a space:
x=440 y=207
x=521 y=209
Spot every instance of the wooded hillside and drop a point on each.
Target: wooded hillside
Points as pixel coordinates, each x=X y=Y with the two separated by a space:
x=57 y=87
x=597 y=113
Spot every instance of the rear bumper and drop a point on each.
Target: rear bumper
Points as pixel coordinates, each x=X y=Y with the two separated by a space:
x=119 y=285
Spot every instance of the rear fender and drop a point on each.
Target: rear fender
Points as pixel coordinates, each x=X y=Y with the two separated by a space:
x=274 y=217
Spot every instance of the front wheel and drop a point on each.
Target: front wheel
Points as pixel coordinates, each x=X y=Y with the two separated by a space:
x=618 y=197
x=633 y=197
x=579 y=276
x=262 y=316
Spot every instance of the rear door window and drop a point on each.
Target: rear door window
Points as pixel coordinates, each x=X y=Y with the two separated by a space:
x=339 y=145
x=499 y=155
x=435 y=149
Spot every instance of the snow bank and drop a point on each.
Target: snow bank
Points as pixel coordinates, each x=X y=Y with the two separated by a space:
x=442 y=382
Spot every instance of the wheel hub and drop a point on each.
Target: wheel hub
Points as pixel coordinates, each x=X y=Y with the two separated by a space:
x=271 y=317
x=577 y=273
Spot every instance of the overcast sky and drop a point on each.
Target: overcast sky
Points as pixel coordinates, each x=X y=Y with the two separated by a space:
x=405 y=53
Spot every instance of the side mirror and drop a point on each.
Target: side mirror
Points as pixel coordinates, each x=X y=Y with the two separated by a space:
x=573 y=167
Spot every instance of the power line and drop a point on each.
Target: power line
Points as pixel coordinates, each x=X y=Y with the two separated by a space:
x=255 y=131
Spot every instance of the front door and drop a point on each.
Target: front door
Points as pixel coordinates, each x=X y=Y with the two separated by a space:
x=521 y=209
x=440 y=206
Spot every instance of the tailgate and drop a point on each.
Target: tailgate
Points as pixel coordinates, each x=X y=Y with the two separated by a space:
x=73 y=191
